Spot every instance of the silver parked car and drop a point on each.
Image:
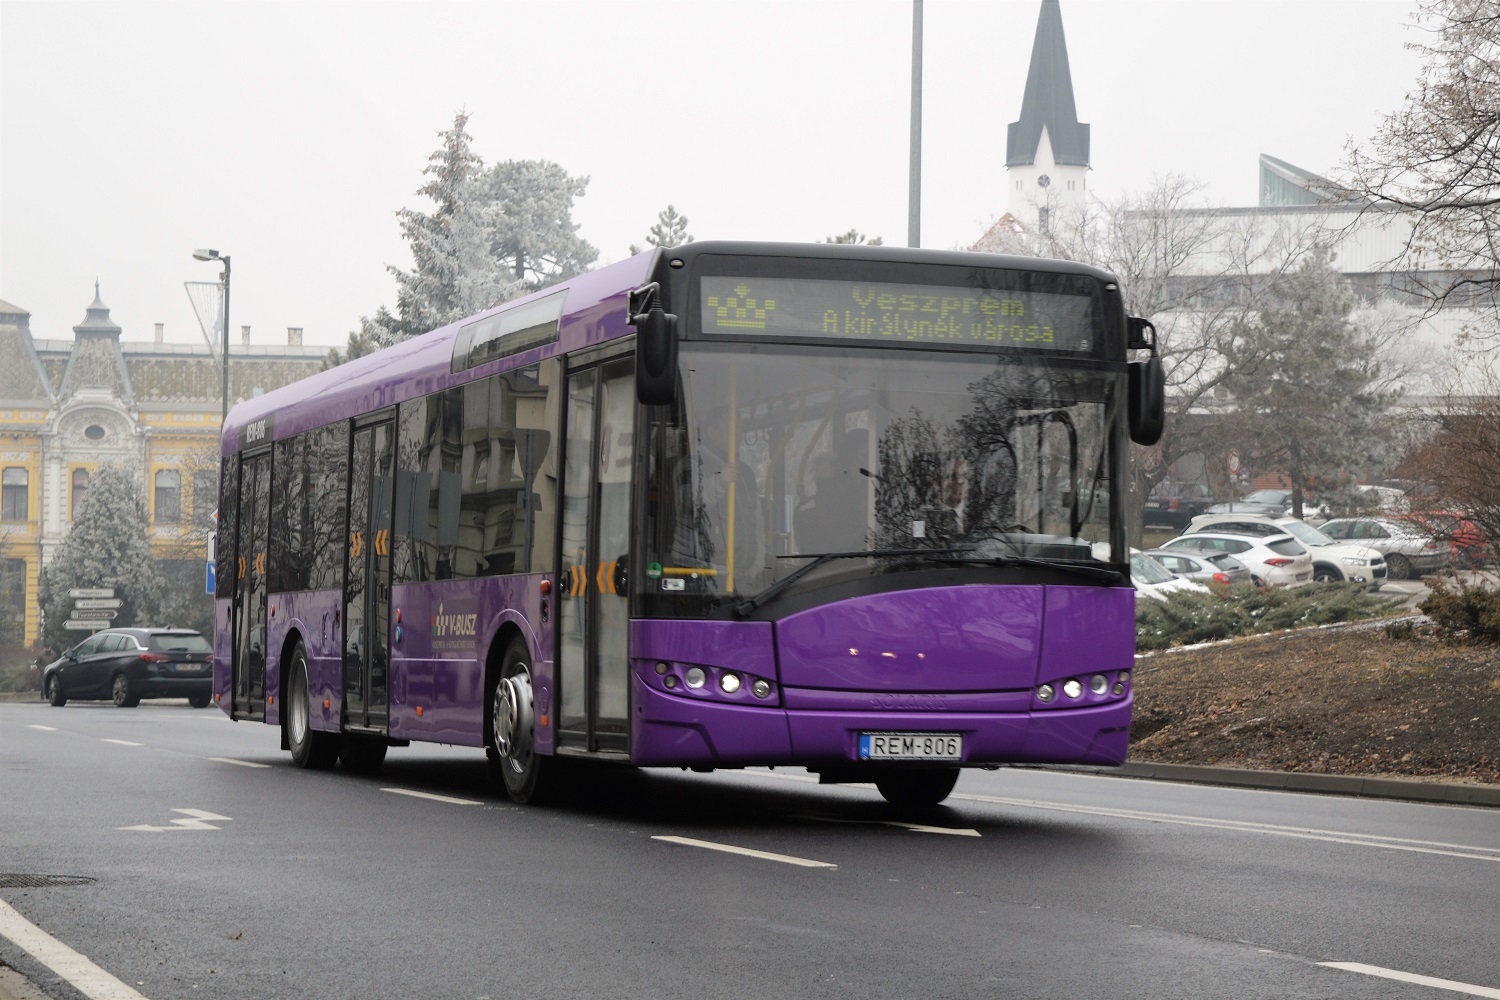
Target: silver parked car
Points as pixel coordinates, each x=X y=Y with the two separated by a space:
x=1274 y=560
x=1409 y=550
x=1204 y=565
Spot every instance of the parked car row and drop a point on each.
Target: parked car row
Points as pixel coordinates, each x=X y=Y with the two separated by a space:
x=1276 y=550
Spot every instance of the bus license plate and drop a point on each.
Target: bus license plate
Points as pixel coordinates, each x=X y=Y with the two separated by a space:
x=911 y=746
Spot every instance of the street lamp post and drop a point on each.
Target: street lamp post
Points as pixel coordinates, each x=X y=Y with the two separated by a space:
x=214 y=255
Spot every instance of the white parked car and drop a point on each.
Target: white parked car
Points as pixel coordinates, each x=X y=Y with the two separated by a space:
x=1274 y=560
x=1154 y=580
x=1333 y=561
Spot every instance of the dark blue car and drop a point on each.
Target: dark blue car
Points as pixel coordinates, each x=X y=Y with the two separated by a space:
x=125 y=665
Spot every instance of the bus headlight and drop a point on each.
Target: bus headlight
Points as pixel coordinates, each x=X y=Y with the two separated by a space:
x=694 y=677
x=1098 y=684
x=1046 y=692
x=730 y=683
x=1072 y=687
x=761 y=688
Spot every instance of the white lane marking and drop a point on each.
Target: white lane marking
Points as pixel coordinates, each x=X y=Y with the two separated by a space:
x=241 y=763
x=45 y=729
x=709 y=845
x=123 y=743
x=1467 y=851
x=920 y=828
x=1411 y=977
x=197 y=819
x=1470 y=852
x=435 y=798
x=86 y=977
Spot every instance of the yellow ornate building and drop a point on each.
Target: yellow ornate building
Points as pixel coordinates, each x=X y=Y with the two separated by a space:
x=68 y=406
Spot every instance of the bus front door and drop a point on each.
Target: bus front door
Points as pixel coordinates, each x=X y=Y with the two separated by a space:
x=367 y=583
x=593 y=624
x=249 y=657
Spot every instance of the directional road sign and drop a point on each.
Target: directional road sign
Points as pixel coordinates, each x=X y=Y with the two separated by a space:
x=97 y=602
x=78 y=592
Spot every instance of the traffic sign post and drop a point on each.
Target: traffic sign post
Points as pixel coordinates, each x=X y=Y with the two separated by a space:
x=93 y=608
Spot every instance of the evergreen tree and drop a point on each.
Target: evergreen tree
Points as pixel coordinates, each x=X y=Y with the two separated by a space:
x=854 y=236
x=530 y=223
x=670 y=231
x=456 y=273
x=360 y=343
x=1307 y=380
x=108 y=546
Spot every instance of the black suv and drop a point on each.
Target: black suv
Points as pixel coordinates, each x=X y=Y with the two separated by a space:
x=128 y=664
x=1175 y=504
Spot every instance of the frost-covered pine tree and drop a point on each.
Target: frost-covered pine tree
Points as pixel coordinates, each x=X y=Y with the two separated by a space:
x=670 y=231
x=456 y=274
x=531 y=225
x=108 y=546
x=854 y=236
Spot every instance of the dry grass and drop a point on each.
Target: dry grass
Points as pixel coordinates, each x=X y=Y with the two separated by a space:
x=1337 y=700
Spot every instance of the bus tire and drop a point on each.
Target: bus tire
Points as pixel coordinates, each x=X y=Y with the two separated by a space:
x=311 y=749
x=511 y=747
x=917 y=788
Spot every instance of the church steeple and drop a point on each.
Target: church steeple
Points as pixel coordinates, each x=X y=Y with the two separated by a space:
x=1048 y=101
x=1047 y=149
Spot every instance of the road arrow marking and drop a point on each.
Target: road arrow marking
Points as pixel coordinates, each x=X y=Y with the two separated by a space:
x=920 y=828
x=785 y=859
x=197 y=819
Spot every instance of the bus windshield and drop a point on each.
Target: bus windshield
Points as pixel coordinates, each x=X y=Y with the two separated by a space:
x=778 y=455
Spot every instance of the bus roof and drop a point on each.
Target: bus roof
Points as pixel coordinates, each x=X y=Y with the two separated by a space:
x=594 y=311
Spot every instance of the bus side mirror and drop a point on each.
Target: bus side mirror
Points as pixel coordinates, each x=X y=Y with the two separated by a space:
x=655 y=347
x=1146 y=386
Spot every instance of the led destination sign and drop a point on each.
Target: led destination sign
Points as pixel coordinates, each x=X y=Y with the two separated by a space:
x=897 y=313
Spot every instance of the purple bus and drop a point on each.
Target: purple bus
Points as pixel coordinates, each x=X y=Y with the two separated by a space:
x=851 y=508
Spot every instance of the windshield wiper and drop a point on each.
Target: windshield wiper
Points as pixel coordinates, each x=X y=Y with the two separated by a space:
x=822 y=559
x=1077 y=569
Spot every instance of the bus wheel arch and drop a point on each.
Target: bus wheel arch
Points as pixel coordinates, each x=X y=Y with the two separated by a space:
x=311 y=748
x=510 y=719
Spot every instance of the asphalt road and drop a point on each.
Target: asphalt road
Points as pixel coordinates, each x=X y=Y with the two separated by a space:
x=217 y=869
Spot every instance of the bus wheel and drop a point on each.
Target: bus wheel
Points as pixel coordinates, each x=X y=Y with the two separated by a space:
x=199 y=700
x=916 y=788
x=311 y=749
x=512 y=752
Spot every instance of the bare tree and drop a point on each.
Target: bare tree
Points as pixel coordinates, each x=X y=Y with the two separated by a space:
x=1436 y=158
x=1199 y=273
x=1459 y=457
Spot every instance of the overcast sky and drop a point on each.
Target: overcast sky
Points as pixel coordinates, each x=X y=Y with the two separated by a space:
x=287 y=135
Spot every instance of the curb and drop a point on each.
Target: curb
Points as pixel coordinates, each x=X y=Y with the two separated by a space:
x=1402 y=789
